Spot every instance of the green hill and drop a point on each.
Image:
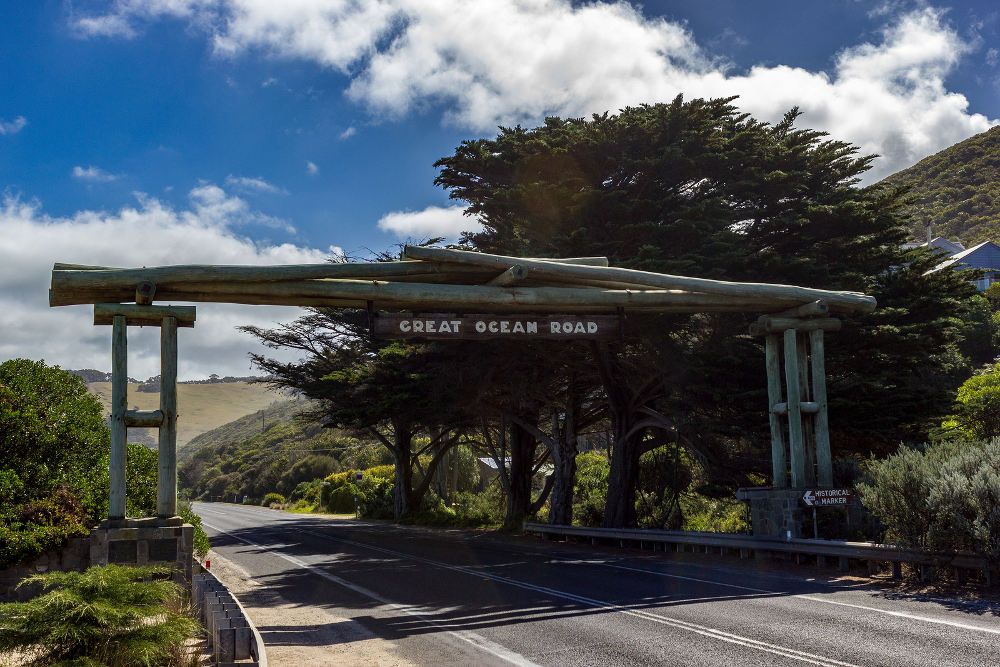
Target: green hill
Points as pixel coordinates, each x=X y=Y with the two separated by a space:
x=957 y=191
x=200 y=407
x=270 y=450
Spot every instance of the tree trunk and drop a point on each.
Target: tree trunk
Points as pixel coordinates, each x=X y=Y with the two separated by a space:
x=564 y=451
x=402 y=500
x=522 y=458
x=619 y=510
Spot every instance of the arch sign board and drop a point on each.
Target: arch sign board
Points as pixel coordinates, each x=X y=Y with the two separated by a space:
x=439 y=326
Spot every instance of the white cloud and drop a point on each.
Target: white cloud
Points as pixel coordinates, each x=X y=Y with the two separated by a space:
x=13 y=126
x=501 y=62
x=250 y=184
x=348 y=133
x=92 y=174
x=432 y=221
x=150 y=234
x=311 y=168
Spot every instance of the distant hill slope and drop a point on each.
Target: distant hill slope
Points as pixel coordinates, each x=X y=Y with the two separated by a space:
x=200 y=407
x=247 y=426
x=957 y=191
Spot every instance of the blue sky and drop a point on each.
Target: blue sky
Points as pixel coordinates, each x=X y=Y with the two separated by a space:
x=250 y=131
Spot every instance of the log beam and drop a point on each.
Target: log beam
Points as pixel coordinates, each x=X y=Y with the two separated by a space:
x=143 y=316
x=838 y=301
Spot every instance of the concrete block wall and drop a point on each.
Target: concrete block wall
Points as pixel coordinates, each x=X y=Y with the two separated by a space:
x=74 y=557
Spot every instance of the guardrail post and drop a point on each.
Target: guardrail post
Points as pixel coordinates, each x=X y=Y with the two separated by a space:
x=844 y=564
x=897 y=570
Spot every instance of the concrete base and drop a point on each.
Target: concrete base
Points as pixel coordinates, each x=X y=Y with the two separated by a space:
x=145 y=542
x=776 y=512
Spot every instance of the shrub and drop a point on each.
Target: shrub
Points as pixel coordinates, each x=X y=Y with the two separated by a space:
x=201 y=543
x=273 y=499
x=591 y=489
x=377 y=500
x=340 y=500
x=479 y=509
x=107 y=615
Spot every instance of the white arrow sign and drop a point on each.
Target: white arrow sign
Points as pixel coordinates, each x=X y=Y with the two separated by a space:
x=809 y=498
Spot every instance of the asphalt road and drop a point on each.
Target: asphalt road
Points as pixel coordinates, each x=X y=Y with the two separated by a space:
x=468 y=598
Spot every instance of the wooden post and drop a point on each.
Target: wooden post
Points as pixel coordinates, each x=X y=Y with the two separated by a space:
x=796 y=448
x=166 y=490
x=779 y=464
x=808 y=439
x=824 y=459
x=119 y=405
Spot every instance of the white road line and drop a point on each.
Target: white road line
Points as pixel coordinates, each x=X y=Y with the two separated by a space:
x=468 y=636
x=705 y=631
x=811 y=598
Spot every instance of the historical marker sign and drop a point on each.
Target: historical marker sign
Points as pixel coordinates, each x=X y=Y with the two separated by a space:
x=827 y=497
x=478 y=327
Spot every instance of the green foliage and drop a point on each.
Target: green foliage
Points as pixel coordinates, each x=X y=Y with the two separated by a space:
x=376 y=497
x=110 y=615
x=977 y=405
x=340 y=499
x=956 y=190
x=273 y=499
x=52 y=433
x=713 y=515
x=942 y=496
x=32 y=528
x=590 y=491
x=141 y=479
x=201 y=544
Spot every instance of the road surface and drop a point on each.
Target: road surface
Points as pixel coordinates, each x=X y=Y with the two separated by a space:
x=356 y=592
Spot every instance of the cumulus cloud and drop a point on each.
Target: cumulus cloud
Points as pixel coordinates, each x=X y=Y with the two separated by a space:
x=501 y=62
x=149 y=234
x=250 y=184
x=13 y=126
x=432 y=221
x=92 y=174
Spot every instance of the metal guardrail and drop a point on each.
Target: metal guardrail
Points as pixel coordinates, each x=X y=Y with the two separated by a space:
x=746 y=545
x=231 y=635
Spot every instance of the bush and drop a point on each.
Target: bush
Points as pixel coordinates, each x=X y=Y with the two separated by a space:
x=201 y=543
x=340 y=500
x=273 y=499
x=945 y=496
x=591 y=489
x=480 y=509
x=377 y=502
x=109 y=615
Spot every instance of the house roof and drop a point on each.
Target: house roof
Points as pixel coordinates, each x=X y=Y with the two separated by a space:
x=986 y=255
x=938 y=243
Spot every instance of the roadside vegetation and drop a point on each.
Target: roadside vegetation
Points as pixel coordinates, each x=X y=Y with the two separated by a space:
x=113 y=616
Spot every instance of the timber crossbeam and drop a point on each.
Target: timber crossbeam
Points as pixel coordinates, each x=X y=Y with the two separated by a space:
x=432 y=278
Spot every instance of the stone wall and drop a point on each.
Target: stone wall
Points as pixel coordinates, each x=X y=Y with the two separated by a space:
x=75 y=556
x=136 y=542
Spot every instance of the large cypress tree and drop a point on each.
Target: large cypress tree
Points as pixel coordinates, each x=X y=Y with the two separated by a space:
x=698 y=188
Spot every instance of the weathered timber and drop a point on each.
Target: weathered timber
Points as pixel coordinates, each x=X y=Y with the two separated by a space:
x=119 y=405
x=438 y=326
x=512 y=276
x=73 y=276
x=824 y=459
x=767 y=325
x=144 y=292
x=811 y=309
x=356 y=293
x=779 y=464
x=805 y=407
x=144 y=418
x=796 y=445
x=805 y=396
x=146 y=316
x=166 y=486
x=846 y=302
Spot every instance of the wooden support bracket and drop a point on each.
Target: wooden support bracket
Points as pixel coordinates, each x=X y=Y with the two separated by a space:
x=143 y=316
x=806 y=407
x=143 y=418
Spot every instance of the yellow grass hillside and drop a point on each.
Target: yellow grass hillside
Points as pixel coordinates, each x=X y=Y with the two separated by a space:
x=200 y=407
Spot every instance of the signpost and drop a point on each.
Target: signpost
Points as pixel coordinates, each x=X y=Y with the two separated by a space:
x=826 y=498
x=438 y=326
